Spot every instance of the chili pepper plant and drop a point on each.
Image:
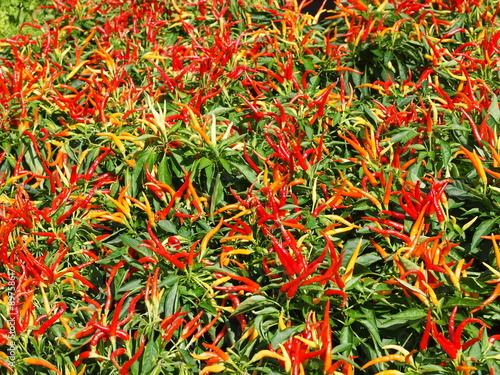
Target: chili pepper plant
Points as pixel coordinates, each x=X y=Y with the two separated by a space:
x=240 y=187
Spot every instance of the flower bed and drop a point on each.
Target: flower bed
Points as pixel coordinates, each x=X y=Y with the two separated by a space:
x=239 y=187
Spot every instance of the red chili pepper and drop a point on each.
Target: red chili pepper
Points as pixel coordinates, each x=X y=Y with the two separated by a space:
x=160 y=249
x=171 y=318
x=205 y=329
x=391 y=223
x=235 y=301
x=471 y=342
x=447 y=346
x=267 y=270
x=451 y=323
x=284 y=256
x=250 y=286
x=406 y=208
x=250 y=162
x=191 y=326
x=124 y=370
x=173 y=327
x=425 y=337
x=457 y=336
x=97 y=161
x=391 y=232
x=396 y=215
x=116 y=315
x=83 y=356
x=115 y=354
x=321 y=100
x=293 y=285
x=84 y=332
x=97 y=337
x=473 y=126
x=332 y=292
x=79 y=204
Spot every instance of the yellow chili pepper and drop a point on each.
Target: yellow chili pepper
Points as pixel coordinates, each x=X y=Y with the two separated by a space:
x=267 y=353
x=454 y=279
x=370 y=197
x=239 y=214
x=77 y=68
x=122 y=208
x=350 y=266
x=65 y=342
x=240 y=237
x=309 y=343
x=218 y=367
x=151 y=216
x=115 y=140
x=333 y=232
x=342 y=220
x=251 y=333
x=431 y=293
x=385 y=358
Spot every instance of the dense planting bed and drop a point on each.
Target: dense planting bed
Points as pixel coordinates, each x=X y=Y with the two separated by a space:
x=238 y=187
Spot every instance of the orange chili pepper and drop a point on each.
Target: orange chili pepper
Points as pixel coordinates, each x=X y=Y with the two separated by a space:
x=297 y=181
x=385 y=358
x=476 y=162
x=387 y=193
x=205 y=329
x=42 y=362
x=408 y=163
x=208 y=236
x=232 y=206
x=217 y=350
x=195 y=124
x=497 y=250
x=356 y=146
x=384 y=254
x=489 y=300
x=371 y=177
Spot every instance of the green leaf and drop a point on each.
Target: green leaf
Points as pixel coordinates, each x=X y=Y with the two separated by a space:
x=110 y=259
x=408 y=264
x=494 y=110
x=483 y=229
x=171 y=302
x=134 y=244
x=250 y=304
x=466 y=302
x=471 y=285
x=281 y=336
x=167 y=226
x=404 y=135
x=245 y=170
x=149 y=356
x=346 y=346
x=410 y=314
x=225 y=164
x=445 y=152
x=135 y=284
x=136 y=172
